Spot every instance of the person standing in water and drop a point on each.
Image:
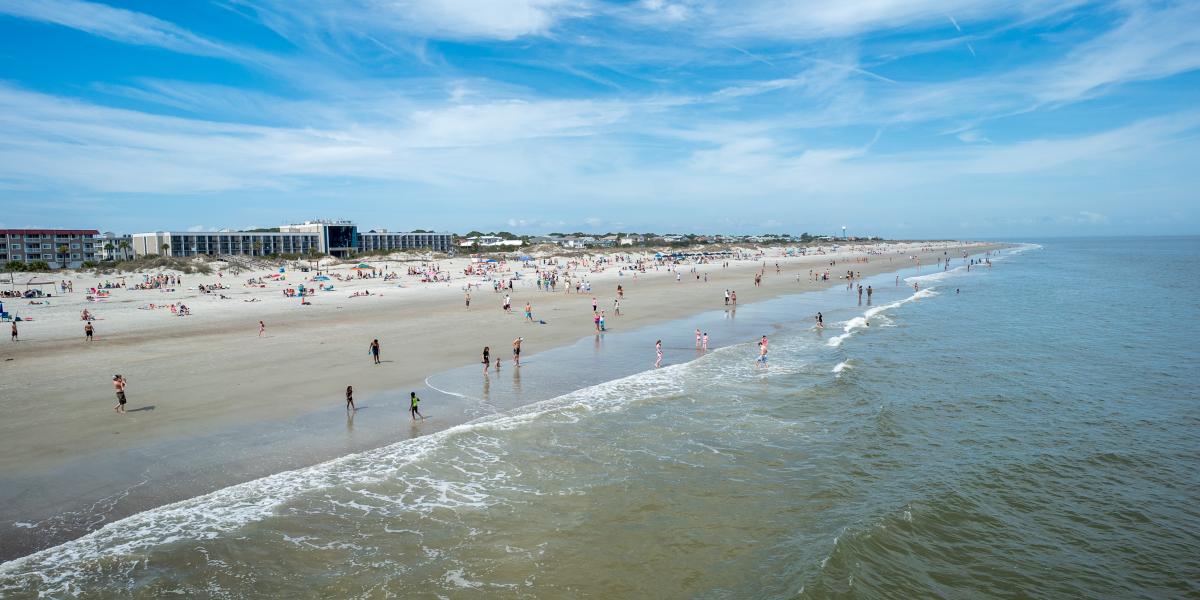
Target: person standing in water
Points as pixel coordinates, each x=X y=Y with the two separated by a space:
x=517 y=351
x=375 y=350
x=119 y=388
x=658 y=351
x=697 y=337
x=487 y=352
x=820 y=321
x=350 y=398
x=762 y=350
x=704 y=342
x=869 y=292
x=413 y=401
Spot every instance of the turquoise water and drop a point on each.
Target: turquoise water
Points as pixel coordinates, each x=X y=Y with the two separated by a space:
x=1035 y=435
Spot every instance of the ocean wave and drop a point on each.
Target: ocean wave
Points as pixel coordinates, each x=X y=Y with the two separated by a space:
x=54 y=570
x=863 y=322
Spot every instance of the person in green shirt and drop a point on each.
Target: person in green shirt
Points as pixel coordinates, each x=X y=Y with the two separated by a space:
x=412 y=409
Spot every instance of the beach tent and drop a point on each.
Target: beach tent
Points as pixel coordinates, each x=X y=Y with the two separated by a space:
x=320 y=278
x=363 y=266
x=525 y=258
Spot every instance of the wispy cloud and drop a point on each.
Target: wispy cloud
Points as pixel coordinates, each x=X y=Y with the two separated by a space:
x=117 y=24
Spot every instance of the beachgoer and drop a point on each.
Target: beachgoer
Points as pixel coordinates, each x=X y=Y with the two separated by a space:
x=14 y=331
x=704 y=342
x=593 y=304
x=762 y=350
x=468 y=299
x=413 y=400
x=350 y=398
x=658 y=352
x=698 y=337
x=497 y=364
x=119 y=387
x=87 y=331
x=486 y=359
x=262 y=329
x=375 y=350
x=529 y=312
x=820 y=321
x=516 y=345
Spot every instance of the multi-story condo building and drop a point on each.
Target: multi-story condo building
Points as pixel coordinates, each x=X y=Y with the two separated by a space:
x=382 y=239
x=251 y=243
x=110 y=246
x=336 y=238
x=57 y=247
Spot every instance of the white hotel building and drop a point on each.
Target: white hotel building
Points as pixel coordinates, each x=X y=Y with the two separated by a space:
x=336 y=238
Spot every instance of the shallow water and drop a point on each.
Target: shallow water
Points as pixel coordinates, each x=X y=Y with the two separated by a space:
x=1032 y=436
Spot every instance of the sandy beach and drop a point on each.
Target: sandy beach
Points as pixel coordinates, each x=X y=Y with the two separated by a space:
x=191 y=376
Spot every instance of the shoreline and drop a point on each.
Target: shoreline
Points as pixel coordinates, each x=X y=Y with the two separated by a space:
x=656 y=296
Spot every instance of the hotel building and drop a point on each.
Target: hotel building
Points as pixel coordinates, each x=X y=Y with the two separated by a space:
x=335 y=238
x=32 y=245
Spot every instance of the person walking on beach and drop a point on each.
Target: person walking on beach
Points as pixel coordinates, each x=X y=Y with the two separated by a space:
x=601 y=322
x=529 y=312
x=617 y=306
x=87 y=331
x=413 y=401
x=594 y=304
x=119 y=387
x=726 y=297
x=375 y=350
x=14 y=331
x=262 y=329
x=517 y=351
x=467 y=299
x=658 y=352
x=507 y=303
x=350 y=398
x=487 y=361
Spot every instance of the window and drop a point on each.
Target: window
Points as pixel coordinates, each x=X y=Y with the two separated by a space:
x=45 y=246
x=47 y=257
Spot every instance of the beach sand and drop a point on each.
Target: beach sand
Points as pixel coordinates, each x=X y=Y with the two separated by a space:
x=211 y=372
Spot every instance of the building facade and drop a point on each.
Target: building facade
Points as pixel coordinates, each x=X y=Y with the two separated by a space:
x=249 y=243
x=334 y=238
x=383 y=240
x=110 y=246
x=56 y=247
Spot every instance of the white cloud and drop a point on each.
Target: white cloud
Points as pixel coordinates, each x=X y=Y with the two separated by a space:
x=116 y=24
x=306 y=22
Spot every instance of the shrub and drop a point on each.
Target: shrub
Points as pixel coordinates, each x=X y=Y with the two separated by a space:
x=14 y=265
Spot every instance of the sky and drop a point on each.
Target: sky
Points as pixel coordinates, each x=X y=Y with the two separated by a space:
x=900 y=118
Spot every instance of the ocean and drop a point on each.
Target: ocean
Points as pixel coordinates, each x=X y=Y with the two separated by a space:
x=1025 y=430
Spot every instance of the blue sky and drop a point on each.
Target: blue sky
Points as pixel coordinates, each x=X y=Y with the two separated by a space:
x=901 y=118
